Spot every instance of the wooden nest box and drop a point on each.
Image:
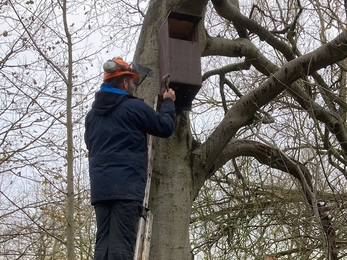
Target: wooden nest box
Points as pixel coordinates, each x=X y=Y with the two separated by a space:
x=179 y=55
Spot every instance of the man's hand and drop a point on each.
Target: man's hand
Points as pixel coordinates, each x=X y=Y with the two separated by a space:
x=170 y=93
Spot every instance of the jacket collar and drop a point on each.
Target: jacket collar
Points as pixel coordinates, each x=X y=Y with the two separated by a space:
x=105 y=87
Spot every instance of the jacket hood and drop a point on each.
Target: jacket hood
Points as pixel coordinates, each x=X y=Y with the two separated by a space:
x=105 y=102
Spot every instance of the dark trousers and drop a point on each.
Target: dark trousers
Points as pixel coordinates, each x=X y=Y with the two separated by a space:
x=116 y=229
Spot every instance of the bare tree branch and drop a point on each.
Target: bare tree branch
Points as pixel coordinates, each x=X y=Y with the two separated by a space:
x=245 y=108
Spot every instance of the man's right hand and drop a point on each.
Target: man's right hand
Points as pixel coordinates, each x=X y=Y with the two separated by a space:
x=170 y=94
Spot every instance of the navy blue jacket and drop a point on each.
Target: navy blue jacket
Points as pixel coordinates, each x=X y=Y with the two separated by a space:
x=116 y=136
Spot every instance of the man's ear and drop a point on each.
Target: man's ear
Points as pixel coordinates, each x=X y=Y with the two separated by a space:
x=125 y=84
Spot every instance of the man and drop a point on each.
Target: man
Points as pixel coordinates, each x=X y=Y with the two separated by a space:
x=116 y=138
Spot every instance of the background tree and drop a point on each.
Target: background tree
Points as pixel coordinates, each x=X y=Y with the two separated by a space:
x=49 y=73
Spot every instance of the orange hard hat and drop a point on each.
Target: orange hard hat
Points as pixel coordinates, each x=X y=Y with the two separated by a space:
x=118 y=67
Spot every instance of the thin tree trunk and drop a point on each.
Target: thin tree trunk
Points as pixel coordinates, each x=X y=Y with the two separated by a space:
x=70 y=180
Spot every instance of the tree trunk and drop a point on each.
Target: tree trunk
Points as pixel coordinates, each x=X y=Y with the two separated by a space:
x=171 y=195
x=70 y=233
x=171 y=200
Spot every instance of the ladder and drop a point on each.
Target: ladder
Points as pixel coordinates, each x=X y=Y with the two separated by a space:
x=144 y=229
